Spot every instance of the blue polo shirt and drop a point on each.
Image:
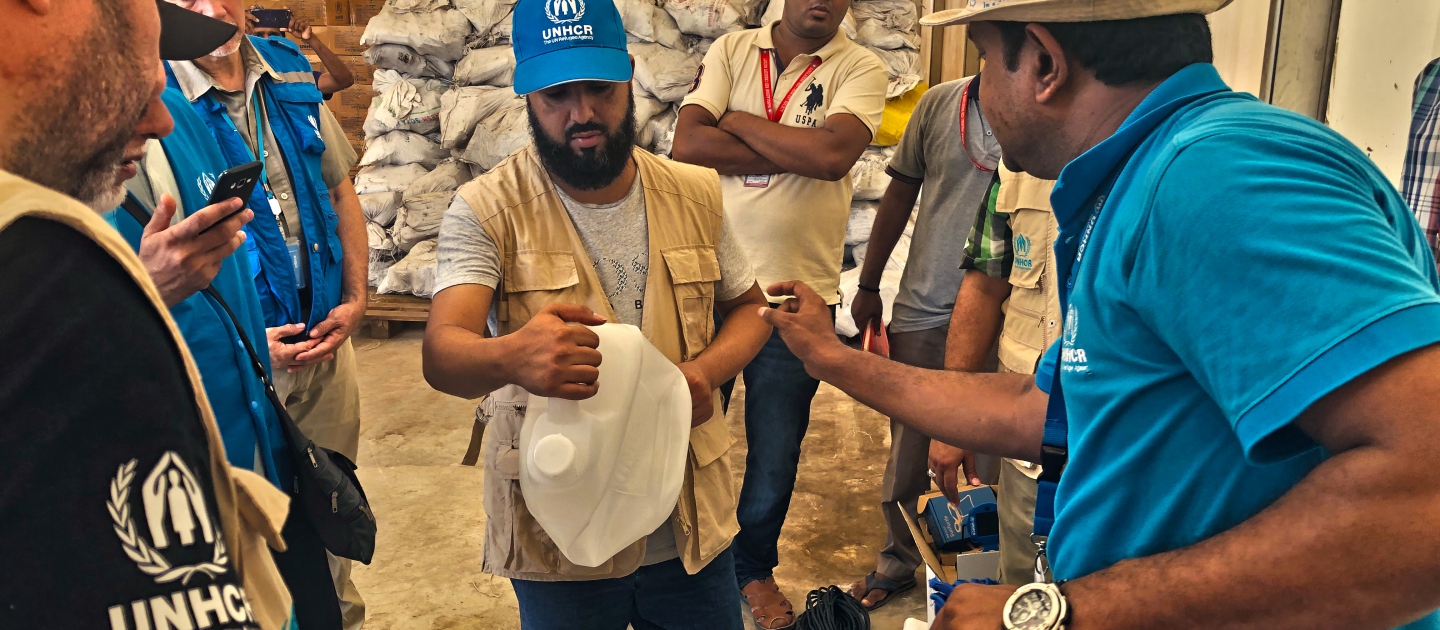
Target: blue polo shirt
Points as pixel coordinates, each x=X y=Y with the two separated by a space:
x=1248 y=262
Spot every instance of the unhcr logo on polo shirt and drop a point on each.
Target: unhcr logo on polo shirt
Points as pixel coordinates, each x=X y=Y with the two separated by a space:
x=566 y=13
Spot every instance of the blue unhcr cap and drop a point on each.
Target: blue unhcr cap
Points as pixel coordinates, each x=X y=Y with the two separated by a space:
x=560 y=41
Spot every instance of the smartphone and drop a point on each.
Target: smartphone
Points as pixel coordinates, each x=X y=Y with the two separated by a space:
x=271 y=18
x=236 y=182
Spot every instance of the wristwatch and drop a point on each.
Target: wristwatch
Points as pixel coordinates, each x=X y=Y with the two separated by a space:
x=1037 y=607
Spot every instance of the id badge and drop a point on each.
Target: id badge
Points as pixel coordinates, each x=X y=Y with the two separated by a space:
x=293 y=244
x=757 y=181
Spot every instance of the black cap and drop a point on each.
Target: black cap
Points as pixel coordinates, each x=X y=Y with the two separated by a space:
x=186 y=35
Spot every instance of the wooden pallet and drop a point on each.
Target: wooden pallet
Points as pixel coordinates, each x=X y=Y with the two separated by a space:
x=385 y=313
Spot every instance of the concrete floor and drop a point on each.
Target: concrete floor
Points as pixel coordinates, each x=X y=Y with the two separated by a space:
x=426 y=572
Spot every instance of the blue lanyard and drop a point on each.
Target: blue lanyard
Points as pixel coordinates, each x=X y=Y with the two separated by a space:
x=1054 y=449
x=259 y=130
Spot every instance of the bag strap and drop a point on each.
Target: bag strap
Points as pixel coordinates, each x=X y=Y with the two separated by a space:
x=299 y=444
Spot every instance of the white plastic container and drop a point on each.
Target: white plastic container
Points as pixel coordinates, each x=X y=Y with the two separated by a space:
x=602 y=473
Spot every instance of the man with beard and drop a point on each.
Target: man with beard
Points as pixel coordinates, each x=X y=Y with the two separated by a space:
x=577 y=223
x=308 y=249
x=117 y=509
x=782 y=112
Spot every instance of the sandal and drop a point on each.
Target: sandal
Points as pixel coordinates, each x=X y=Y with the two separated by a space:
x=768 y=605
x=874 y=582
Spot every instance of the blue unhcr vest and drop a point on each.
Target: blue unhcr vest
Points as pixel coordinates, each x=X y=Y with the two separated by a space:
x=242 y=410
x=292 y=106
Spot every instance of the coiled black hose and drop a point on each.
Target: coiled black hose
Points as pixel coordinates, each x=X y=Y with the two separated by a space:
x=830 y=608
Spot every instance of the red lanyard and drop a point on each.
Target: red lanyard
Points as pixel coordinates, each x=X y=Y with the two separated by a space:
x=765 y=81
x=971 y=90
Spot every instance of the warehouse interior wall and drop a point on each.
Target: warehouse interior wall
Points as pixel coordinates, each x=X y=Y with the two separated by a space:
x=1238 y=32
x=1382 y=45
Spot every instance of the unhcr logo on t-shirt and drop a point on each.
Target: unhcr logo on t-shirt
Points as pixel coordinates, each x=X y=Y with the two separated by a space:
x=565 y=13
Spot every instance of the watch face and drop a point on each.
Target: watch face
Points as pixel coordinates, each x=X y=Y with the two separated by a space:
x=1033 y=610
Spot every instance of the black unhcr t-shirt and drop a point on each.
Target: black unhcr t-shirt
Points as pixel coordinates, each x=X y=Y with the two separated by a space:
x=108 y=517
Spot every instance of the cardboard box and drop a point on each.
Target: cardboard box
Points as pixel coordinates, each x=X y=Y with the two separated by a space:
x=363 y=72
x=337 y=12
x=362 y=10
x=948 y=566
x=343 y=40
x=945 y=521
x=350 y=107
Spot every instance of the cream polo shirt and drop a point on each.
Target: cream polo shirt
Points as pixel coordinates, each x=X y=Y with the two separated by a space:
x=792 y=227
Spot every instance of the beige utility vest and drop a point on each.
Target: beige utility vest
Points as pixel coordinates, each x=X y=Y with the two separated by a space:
x=542 y=262
x=251 y=510
x=1032 y=315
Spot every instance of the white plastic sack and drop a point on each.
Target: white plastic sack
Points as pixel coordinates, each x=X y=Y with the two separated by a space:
x=403 y=147
x=889 y=286
x=413 y=274
x=498 y=135
x=662 y=128
x=380 y=264
x=397 y=57
x=706 y=18
x=874 y=34
x=899 y=62
x=900 y=85
x=602 y=473
x=646 y=109
x=664 y=73
x=409 y=105
x=897 y=15
x=646 y=20
x=441 y=33
x=487 y=66
x=868 y=174
x=413 y=6
x=862 y=220
x=419 y=220
x=486 y=15
x=380 y=208
x=386 y=178
x=446 y=177
x=461 y=109
x=702 y=46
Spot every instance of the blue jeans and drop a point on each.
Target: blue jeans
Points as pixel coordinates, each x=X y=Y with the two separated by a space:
x=656 y=597
x=778 y=392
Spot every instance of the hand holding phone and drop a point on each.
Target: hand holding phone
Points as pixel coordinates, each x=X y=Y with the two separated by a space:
x=236 y=183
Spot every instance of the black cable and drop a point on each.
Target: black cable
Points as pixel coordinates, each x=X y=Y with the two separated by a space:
x=830 y=608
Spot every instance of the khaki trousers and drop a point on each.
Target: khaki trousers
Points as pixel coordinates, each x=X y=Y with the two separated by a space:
x=905 y=475
x=325 y=402
x=1016 y=507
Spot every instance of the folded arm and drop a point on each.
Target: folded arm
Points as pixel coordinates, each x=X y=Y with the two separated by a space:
x=825 y=153
x=699 y=140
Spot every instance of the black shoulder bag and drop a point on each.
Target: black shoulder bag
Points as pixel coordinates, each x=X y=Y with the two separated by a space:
x=327 y=487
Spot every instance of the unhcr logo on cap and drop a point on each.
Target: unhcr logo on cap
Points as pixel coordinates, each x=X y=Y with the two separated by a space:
x=564 y=11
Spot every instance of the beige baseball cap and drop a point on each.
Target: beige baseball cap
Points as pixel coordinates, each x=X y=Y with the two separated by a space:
x=1067 y=10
